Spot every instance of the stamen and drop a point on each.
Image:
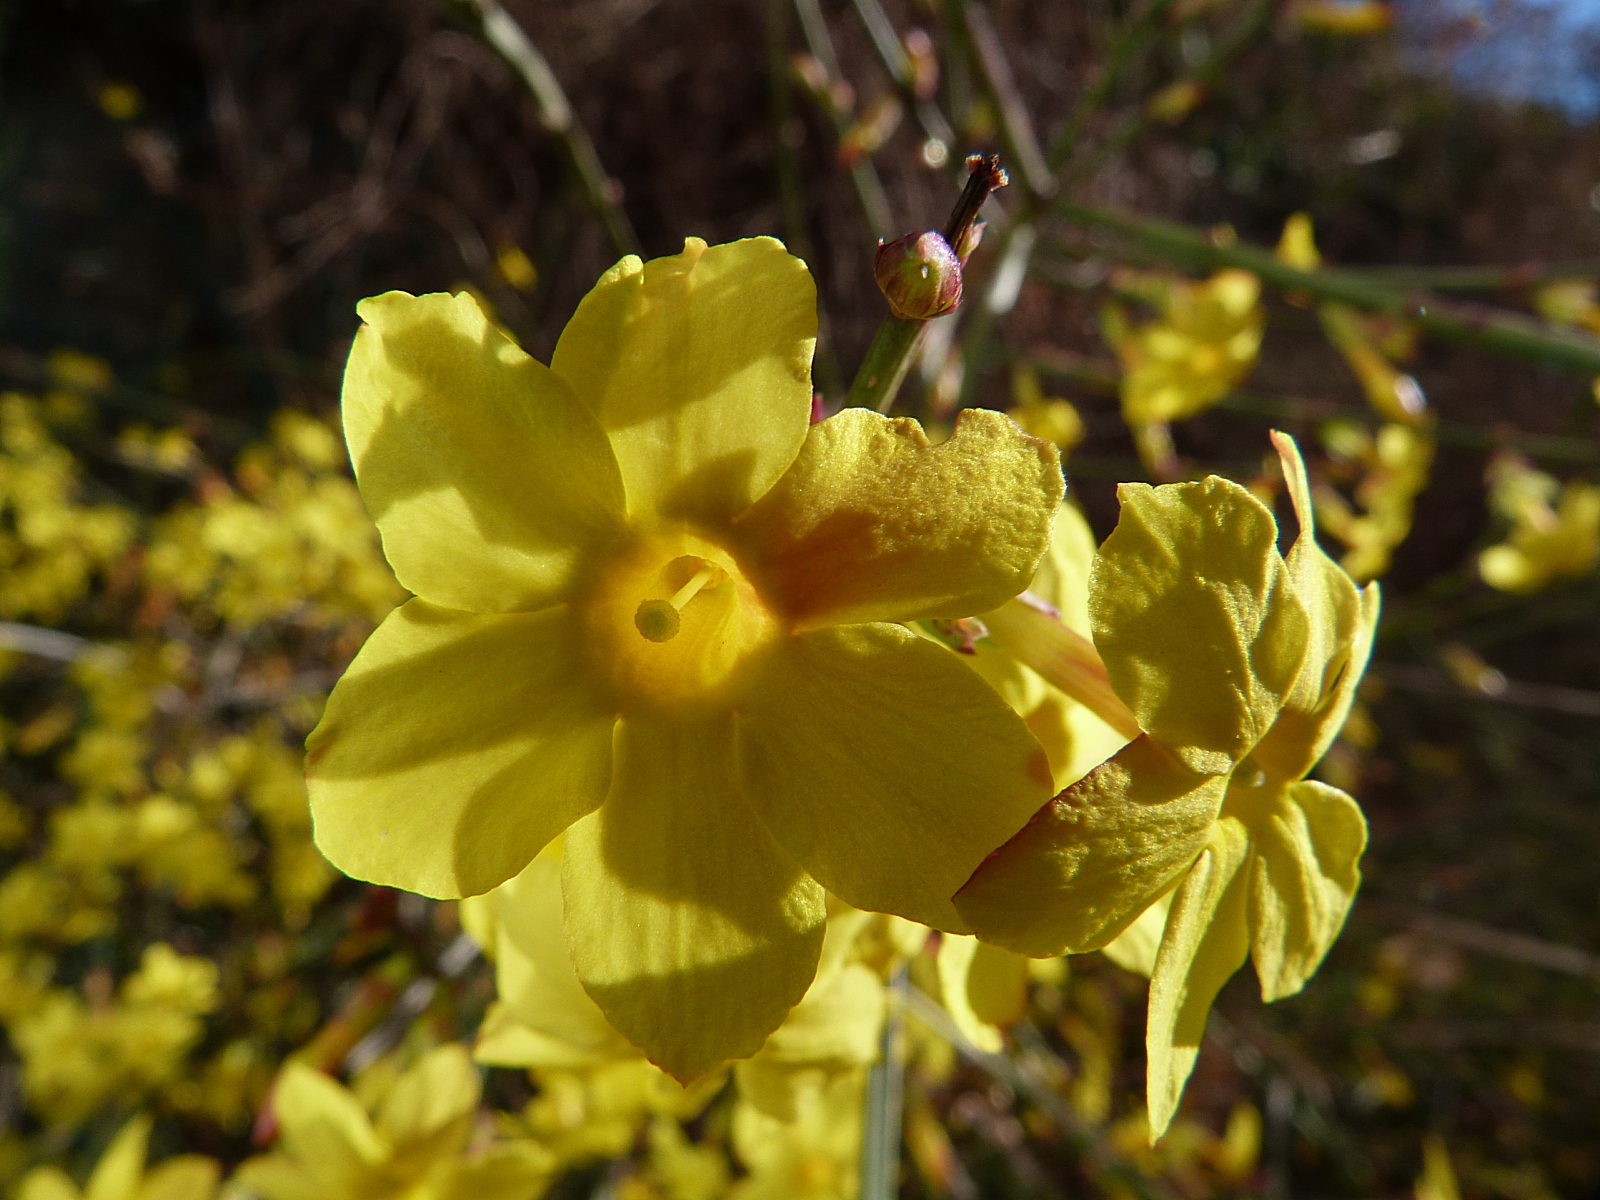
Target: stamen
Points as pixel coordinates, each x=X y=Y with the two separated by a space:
x=689 y=590
x=658 y=620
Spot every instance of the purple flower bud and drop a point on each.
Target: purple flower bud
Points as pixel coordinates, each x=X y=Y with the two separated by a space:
x=920 y=275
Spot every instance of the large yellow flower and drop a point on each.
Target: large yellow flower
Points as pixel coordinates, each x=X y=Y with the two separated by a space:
x=655 y=606
x=1241 y=668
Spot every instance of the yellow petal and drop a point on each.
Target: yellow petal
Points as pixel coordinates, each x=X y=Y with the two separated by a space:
x=1193 y=613
x=1206 y=942
x=519 y=1170
x=323 y=1127
x=537 y=981
x=456 y=746
x=1135 y=947
x=441 y=1088
x=1096 y=856
x=486 y=475
x=1340 y=625
x=872 y=523
x=47 y=1183
x=984 y=988
x=276 y=1177
x=699 y=368
x=117 y=1174
x=835 y=1028
x=1303 y=877
x=186 y=1177
x=885 y=767
x=693 y=932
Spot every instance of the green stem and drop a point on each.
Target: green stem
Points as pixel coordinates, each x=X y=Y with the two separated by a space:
x=500 y=29
x=888 y=359
x=1496 y=330
x=1133 y=123
x=885 y=1103
x=898 y=64
x=1093 y=1149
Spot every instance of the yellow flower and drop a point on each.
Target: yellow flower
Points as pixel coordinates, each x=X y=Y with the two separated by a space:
x=815 y=1156
x=1550 y=538
x=75 y=1059
x=1205 y=341
x=120 y=1174
x=657 y=606
x=545 y=1020
x=411 y=1148
x=1240 y=667
x=1396 y=465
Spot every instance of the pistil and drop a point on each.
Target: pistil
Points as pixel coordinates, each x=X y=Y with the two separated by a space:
x=659 y=620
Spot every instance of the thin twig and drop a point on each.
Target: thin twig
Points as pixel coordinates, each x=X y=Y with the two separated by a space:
x=43 y=643
x=1142 y=28
x=1016 y=126
x=500 y=30
x=873 y=199
x=1134 y=122
x=826 y=377
x=1499 y=943
x=1575 y=702
x=898 y=63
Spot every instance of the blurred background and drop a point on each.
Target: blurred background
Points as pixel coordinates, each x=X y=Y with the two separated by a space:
x=195 y=193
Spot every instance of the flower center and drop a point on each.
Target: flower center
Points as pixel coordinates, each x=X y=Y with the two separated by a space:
x=671 y=619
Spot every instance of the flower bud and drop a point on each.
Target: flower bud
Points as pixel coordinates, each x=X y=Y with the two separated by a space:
x=920 y=275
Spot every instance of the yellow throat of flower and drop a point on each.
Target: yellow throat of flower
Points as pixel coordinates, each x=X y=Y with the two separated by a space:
x=670 y=620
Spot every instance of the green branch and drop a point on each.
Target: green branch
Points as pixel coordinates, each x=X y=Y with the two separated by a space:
x=1491 y=329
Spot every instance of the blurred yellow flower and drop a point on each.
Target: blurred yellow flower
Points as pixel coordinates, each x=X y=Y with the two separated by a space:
x=76 y=1058
x=1555 y=529
x=121 y=1175
x=294 y=540
x=1204 y=342
x=1395 y=468
x=658 y=606
x=411 y=1148
x=1240 y=667
x=51 y=546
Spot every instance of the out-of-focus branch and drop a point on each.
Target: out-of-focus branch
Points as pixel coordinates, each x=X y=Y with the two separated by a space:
x=1451 y=320
x=898 y=63
x=873 y=199
x=501 y=31
x=1132 y=124
x=1141 y=28
x=1016 y=126
x=1097 y=1155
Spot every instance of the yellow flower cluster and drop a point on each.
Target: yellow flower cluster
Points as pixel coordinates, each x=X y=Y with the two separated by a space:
x=78 y=1054
x=291 y=541
x=52 y=544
